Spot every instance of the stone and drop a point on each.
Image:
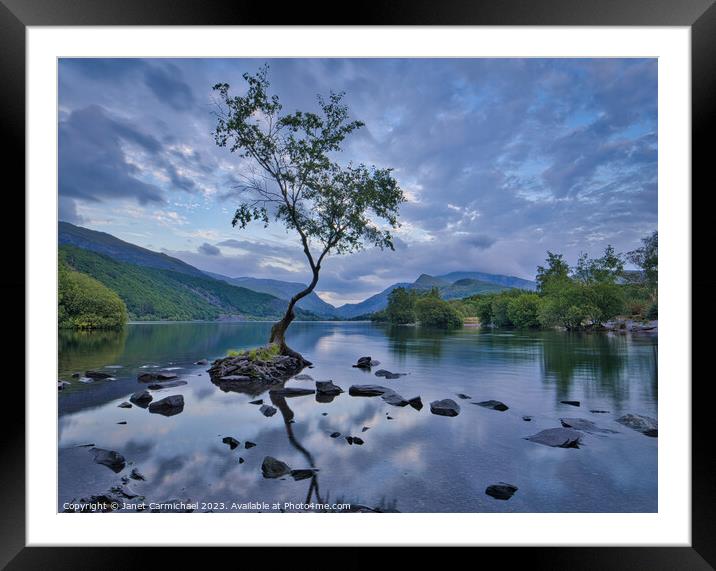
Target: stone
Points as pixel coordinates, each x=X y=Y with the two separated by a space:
x=122 y=422
x=349 y=439
x=571 y=402
x=335 y=434
x=202 y=362
x=113 y=460
x=596 y=411
x=166 y=385
x=527 y=418
x=445 y=407
x=416 y=403
x=248 y=444
x=168 y=406
x=363 y=363
x=327 y=388
x=557 y=438
x=303 y=378
x=97 y=375
x=644 y=424
x=501 y=491
x=358 y=441
x=241 y=460
x=584 y=425
x=272 y=468
x=394 y=399
x=257 y=401
x=136 y=475
x=367 y=390
x=493 y=405
x=231 y=441
x=365 y=428
x=291 y=392
x=267 y=410
x=160 y=376
x=302 y=474
x=141 y=398
x=463 y=396
x=388 y=374
x=125 y=404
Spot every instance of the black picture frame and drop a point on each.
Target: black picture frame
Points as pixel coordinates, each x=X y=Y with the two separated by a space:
x=17 y=15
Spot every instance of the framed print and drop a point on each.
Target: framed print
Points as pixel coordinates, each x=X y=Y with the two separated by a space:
x=400 y=271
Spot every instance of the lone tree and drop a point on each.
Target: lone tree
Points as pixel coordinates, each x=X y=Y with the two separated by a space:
x=293 y=179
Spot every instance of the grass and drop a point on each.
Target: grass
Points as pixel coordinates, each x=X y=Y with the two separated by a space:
x=257 y=353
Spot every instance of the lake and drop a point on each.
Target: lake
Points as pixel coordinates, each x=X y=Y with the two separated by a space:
x=411 y=460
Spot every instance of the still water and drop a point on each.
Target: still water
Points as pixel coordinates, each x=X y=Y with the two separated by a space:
x=411 y=461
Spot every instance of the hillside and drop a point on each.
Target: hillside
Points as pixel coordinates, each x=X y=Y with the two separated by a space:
x=282 y=290
x=154 y=294
x=119 y=250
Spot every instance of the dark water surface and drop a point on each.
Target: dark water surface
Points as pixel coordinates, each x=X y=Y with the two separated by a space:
x=414 y=462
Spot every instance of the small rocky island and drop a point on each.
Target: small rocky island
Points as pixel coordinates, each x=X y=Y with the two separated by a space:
x=262 y=365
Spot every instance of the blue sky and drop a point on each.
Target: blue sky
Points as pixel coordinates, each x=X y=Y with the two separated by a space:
x=500 y=159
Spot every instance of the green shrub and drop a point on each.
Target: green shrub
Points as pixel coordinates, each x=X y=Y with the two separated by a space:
x=257 y=353
x=523 y=310
x=434 y=312
x=84 y=303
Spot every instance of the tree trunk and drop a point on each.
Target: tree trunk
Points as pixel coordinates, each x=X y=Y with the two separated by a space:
x=278 y=330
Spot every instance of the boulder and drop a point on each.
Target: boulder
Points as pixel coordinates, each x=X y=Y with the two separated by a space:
x=584 y=425
x=349 y=439
x=327 y=388
x=416 y=403
x=125 y=404
x=160 y=376
x=257 y=401
x=644 y=424
x=493 y=405
x=358 y=441
x=113 y=460
x=363 y=363
x=367 y=390
x=394 y=398
x=166 y=385
x=335 y=434
x=501 y=491
x=388 y=374
x=302 y=474
x=463 y=396
x=168 y=406
x=273 y=468
x=97 y=375
x=291 y=392
x=267 y=410
x=141 y=398
x=248 y=444
x=557 y=438
x=445 y=407
x=136 y=475
x=231 y=441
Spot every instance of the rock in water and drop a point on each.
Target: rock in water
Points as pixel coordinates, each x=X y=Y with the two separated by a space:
x=231 y=441
x=584 y=425
x=571 y=402
x=136 y=475
x=388 y=374
x=463 y=396
x=248 y=444
x=501 y=491
x=166 y=385
x=527 y=418
x=416 y=403
x=327 y=388
x=644 y=424
x=445 y=407
x=258 y=401
x=367 y=390
x=335 y=434
x=394 y=398
x=168 y=406
x=303 y=378
x=291 y=392
x=272 y=468
x=97 y=375
x=557 y=438
x=141 y=398
x=202 y=362
x=267 y=410
x=113 y=460
x=493 y=404
x=302 y=474
x=363 y=363
x=125 y=404
x=358 y=441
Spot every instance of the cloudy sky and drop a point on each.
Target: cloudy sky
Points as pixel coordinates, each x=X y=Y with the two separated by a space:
x=500 y=159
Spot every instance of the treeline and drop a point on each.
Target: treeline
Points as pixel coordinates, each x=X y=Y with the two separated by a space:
x=84 y=303
x=586 y=295
x=413 y=306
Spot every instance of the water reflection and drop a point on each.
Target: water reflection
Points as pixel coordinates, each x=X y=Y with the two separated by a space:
x=411 y=460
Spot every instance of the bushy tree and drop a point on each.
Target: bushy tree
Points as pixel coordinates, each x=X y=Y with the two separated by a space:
x=647 y=259
x=554 y=275
x=401 y=306
x=523 y=310
x=432 y=311
x=296 y=181
x=84 y=303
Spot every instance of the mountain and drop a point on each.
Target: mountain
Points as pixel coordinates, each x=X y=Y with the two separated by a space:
x=282 y=290
x=122 y=251
x=456 y=285
x=499 y=279
x=159 y=294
